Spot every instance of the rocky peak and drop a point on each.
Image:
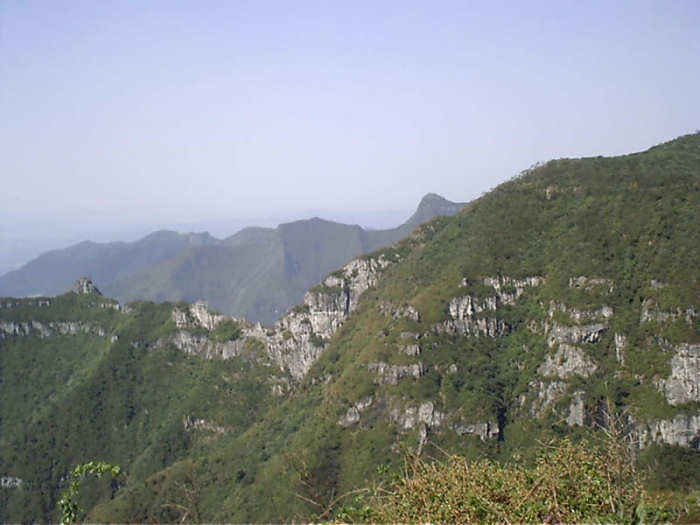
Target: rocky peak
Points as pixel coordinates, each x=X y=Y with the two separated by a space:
x=432 y=205
x=85 y=286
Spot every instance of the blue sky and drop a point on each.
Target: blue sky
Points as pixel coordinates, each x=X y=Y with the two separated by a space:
x=164 y=113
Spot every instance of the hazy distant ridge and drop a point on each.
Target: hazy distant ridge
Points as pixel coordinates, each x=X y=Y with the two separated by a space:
x=257 y=273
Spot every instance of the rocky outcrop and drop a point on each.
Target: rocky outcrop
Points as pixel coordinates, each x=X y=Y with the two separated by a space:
x=485 y=430
x=85 y=286
x=466 y=307
x=474 y=316
x=49 y=329
x=546 y=393
x=508 y=289
x=197 y=315
x=10 y=482
x=683 y=385
x=491 y=327
x=592 y=284
x=620 y=344
x=352 y=416
x=292 y=344
x=298 y=338
x=192 y=424
x=204 y=346
x=16 y=303
x=577 y=412
x=579 y=316
x=560 y=334
x=567 y=361
x=280 y=386
x=391 y=374
x=410 y=417
x=682 y=430
x=412 y=350
x=405 y=311
x=652 y=313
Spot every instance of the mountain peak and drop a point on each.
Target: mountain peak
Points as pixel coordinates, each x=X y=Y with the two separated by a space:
x=431 y=205
x=85 y=286
x=432 y=197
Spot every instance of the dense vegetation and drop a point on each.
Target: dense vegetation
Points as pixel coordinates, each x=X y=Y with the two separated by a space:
x=569 y=483
x=628 y=225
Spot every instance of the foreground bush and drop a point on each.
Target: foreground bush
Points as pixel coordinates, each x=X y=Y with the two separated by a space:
x=569 y=483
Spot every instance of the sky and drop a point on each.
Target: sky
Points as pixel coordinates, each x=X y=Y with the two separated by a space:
x=117 y=117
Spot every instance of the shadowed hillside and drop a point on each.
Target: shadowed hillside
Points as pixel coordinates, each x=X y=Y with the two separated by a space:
x=258 y=273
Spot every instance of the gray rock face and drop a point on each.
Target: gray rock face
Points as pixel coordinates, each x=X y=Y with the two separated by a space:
x=577 y=414
x=50 y=329
x=517 y=287
x=85 y=286
x=298 y=338
x=199 y=315
x=485 y=326
x=292 y=344
x=202 y=346
x=10 y=482
x=683 y=385
x=410 y=417
x=26 y=302
x=466 y=307
x=485 y=430
x=412 y=350
x=405 y=311
x=473 y=316
x=192 y=424
x=592 y=284
x=354 y=413
x=620 y=344
x=682 y=430
x=580 y=316
x=559 y=334
x=546 y=394
x=392 y=374
x=566 y=362
x=652 y=313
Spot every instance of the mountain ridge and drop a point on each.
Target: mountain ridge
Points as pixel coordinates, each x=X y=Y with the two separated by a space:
x=559 y=300
x=166 y=265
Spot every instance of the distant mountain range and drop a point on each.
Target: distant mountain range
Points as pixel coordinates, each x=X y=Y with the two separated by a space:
x=257 y=273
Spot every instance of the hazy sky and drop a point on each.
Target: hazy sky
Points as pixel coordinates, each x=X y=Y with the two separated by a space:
x=170 y=112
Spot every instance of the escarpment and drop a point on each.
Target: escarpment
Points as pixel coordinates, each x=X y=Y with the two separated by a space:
x=297 y=339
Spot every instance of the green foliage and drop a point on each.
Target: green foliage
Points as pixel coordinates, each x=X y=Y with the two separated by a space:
x=300 y=309
x=569 y=483
x=666 y=466
x=316 y=339
x=68 y=502
x=213 y=430
x=228 y=330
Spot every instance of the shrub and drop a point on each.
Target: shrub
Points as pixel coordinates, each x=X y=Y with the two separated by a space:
x=570 y=482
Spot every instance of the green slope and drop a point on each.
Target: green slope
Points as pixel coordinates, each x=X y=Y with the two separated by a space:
x=581 y=276
x=119 y=395
x=631 y=220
